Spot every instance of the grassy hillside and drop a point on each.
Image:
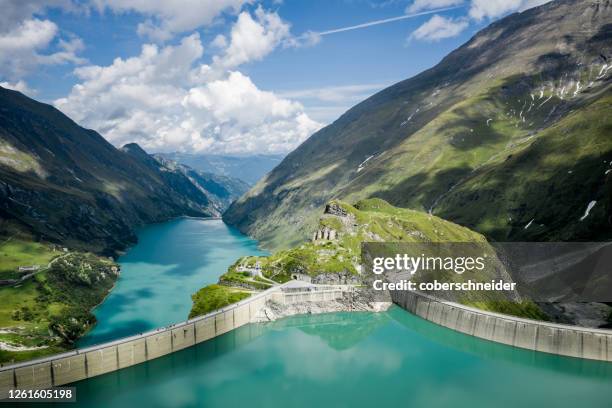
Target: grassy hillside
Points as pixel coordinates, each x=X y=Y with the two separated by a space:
x=214 y=297
x=48 y=312
x=368 y=220
x=547 y=181
x=337 y=258
x=511 y=127
x=65 y=184
x=16 y=252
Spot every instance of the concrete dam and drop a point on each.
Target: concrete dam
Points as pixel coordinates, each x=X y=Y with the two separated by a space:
x=561 y=339
x=73 y=366
x=92 y=361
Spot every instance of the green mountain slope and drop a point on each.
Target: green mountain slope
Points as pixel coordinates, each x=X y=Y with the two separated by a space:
x=508 y=135
x=333 y=256
x=371 y=220
x=65 y=184
x=62 y=184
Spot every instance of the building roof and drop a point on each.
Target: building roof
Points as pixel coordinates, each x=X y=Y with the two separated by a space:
x=297 y=284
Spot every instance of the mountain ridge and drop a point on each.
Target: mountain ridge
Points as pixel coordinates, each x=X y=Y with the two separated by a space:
x=532 y=79
x=65 y=184
x=248 y=168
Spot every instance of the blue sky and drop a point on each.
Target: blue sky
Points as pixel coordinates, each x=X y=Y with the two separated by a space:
x=224 y=76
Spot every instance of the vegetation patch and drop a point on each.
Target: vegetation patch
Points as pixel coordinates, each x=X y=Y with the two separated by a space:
x=337 y=258
x=16 y=253
x=213 y=297
x=526 y=309
x=48 y=312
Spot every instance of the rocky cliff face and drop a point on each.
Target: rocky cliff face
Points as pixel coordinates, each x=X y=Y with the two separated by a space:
x=508 y=135
x=62 y=183
x=358 y=300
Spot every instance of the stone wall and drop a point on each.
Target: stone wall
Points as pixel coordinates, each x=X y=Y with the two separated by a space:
x=565 y=340
x=89 y=362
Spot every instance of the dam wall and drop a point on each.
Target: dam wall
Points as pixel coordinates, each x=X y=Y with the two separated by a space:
x=564 y=340
x=80 y=364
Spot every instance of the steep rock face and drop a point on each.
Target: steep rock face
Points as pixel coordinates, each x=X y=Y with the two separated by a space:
x=62 y=183
x=508 y=135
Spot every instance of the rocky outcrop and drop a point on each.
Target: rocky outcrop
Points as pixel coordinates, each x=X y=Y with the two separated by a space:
x=342 y=278
x=356 y=301
x=335 y=209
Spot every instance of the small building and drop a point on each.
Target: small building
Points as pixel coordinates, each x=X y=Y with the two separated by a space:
x=301 y=277
x=30 y=268
x=298 y=286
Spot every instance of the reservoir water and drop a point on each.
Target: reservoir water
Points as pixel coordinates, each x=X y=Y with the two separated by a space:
x=337 y=360
x=171 y=261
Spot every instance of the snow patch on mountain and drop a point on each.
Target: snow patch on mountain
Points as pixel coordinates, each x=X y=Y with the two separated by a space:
x=588 y=210
x=363 y=163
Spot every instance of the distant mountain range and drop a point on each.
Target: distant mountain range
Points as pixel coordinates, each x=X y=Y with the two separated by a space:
x=249 y=168
x=509 y=135
x=62 y=183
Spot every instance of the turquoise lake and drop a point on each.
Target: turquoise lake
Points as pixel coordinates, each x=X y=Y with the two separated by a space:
x=171 y=261
x=390 y=359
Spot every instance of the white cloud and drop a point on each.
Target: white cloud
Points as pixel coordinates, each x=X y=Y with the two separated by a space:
x=219 y=42
x=342 y=93
x=438 y=28
x=251 y=39
x=325 y=104
x=481 y=9
x=14 y=12
x=165 y=100
x=31 y=34
x=247 y=119
x=419 y=5
x=327 y=113
x=20 y=86
x=21 y=48
x=169 y=17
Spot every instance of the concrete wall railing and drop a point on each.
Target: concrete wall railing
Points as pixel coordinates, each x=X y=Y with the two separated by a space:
x=565 y=340
x=89 y=362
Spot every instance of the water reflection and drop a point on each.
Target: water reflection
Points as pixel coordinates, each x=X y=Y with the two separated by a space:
x=352 y=360
x=495 y=351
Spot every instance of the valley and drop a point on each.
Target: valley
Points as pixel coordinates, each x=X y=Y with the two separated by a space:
x=506 y=139
x=350 y=203
x=70 y=204
x=247 y=168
